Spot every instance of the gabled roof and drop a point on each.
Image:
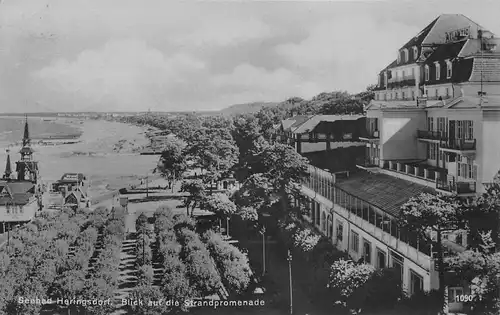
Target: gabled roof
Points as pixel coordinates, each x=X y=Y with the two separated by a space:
x=382 y=191
x=419 y=38
x=311 y=123
x=291 y=123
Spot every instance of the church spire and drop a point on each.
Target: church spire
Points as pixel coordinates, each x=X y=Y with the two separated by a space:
x=26 y=137
x=8 y=168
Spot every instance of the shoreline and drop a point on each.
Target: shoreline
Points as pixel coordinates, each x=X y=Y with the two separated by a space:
x=107 y=152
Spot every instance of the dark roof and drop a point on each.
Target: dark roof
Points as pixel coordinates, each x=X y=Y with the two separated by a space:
x=20 y=186
x=446 y=51
x=336 y=160
x=391 y=65
x=72 y=177
x=417 y=40
x=299 y=120
x=382 y=191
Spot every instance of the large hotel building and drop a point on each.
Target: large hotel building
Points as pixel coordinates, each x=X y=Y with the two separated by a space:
x=433 y=126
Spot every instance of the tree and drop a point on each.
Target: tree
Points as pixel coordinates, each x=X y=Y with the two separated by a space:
x=214 y=150
x=432 y=215
x=481 y=268
x=234 y=265
x=141 y=223
x=172 y=163
x=343 y=106
x=347 y=280
x=152 y=298
x=248 y=213
x=145 y=275
x=196 y=189
x=283 y=167
x=221 y=206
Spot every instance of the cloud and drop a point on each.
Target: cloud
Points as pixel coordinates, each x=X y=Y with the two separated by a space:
x=123 y=75
x=347 y=51
x=226 y=31
x=247 y=83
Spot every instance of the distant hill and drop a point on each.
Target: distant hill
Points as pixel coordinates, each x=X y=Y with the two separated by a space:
x=246 y=108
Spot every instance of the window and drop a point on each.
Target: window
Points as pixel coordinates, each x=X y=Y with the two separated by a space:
x=397 y=263
x=449 y=69
x=399 y=56
x=438 y=71
x=426 y=71
x=367 y=252
x=397 y=95
x=7 y=208
x=340 y=231
x=413 y=73
x=354 y=242
x=403 y=95
x=447 y=92
x=469 y=130
x=416 y=282
x=415 y=52
x=323 y=222
x=432 y=151
x=380 y=258
x=430 y=123
x=413 y=95
x=407 y=55
x=460 y=129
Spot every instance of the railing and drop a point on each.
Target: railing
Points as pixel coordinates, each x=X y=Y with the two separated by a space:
x=368 y=162
x=376 y=222
x=459 y=144
x=401 y=79
x=414 y=169
x=431 y=135
x=370 y=134
x=401 y=83
x=451 y=185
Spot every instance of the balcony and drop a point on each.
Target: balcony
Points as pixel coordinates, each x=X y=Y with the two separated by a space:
x=460 y=145
x=371 y=136
x=417 y=169
x=450 y=184
x=367 y=163
x=430 y=135
x=401 y=83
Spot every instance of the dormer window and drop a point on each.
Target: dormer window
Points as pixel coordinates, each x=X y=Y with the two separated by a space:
x=407 y=55
x=448 y=69
x=415 y=52
x=426 y=71
x=399 y=56
x=438 y=70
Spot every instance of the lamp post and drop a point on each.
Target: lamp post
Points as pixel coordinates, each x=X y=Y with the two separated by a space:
x=289 y=258
x=263 y=232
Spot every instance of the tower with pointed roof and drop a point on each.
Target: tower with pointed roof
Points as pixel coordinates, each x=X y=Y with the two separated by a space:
x=8 y=167
x=27 y=167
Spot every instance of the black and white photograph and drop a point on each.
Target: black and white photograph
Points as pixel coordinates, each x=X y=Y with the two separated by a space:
x=166 y=157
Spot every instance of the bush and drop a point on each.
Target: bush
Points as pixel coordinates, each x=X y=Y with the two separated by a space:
x=141 y=223
x=201 y=271
x=145 y=275
x=232 y=263
x=361 y=286
x=182 y=221
x=305 y=239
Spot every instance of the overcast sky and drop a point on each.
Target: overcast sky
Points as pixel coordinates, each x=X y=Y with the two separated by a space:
x=165 y=55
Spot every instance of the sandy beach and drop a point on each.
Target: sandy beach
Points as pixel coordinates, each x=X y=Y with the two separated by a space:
x=107 y=152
